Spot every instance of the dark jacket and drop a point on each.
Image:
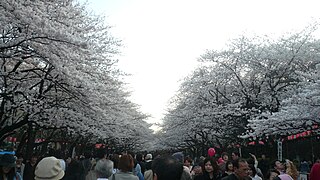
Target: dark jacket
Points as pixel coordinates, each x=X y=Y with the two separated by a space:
x=148 y=165
x=233 y=177
x=28 y=173
x=206 y=176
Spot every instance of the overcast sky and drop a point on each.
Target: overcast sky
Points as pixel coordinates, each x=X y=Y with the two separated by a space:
x=163 y=38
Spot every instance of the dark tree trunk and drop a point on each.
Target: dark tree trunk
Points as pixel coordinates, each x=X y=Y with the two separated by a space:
x=30 y=143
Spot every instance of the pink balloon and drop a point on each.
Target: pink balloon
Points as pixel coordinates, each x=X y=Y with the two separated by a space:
x=220 y=161
x=211 y=152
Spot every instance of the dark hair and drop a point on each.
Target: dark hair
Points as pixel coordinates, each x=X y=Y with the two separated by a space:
x=189 y=159
x=253 y=169
x=139 y=157
x=19 y=155
x=214 y=165
x=224 y=154
x=227 y=163
x=274 y=163
x=133 y=156
x=73 y=170
x=236 y=153
x=271 y=171
x=126 y=163
x=101 y=153
x=11 y=174
x=237 y=162
x=115 y=158
x=167 y=167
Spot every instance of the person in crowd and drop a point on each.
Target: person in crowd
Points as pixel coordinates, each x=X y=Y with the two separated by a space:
x=30 y=166
x=210 y=170
x=7 y=168
x=291 y=170
x=19 y=164
x=137 y=167
x=188 y=163
x=222 y=161
x=167 y=168
x=101 y=154
x=92 y=173
x=235 y=155
x=104 y=169
x=253 y=160
x=186 y=175
x=115 y=159
x=229 y=169
x=315 y=171
x=253 y=173
x=304 y=166
x=148 y=160
x=264 y=165
x=141 y=162
x=277 y=165
x=86 y=164
x=225 y=156
x=271 y=174
x=284 y=175
x=126 y=164
x=74 y=170
x=196 y=171
x=241 y=170
x=148 y=175
x=49 y=168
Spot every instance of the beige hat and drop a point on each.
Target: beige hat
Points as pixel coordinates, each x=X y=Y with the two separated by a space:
x=49 y=168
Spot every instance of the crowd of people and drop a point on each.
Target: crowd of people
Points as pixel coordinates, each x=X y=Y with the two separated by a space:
x=130 y=166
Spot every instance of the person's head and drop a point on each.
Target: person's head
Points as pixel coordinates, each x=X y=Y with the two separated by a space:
x=179 y=156
x=126 y=163
x=291 y=169
x=229 y=166
x=315 y=172
x=210 y=165
x=235 y=155
x=139 y=157
x=115 y=159
x=104 y=168
x=49 y=168
x=187 y=161
x=225 y=156
x=252 y=170
x=166 y=167
x=101 y=153
x=197 y=170
x=278 y=165
x=133 y=155
x=19 y=160
x=148 y=157
x=241 y=168
x=7 y=165
x=272 y=173
x=34 y=159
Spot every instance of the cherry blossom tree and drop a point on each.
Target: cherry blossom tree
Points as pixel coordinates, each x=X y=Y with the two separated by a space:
x=58 y=72
x=245 y=83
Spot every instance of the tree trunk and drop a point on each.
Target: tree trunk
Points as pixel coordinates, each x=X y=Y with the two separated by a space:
x=30 y=143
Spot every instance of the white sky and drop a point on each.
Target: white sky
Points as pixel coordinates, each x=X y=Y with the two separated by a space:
x=164 y=38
